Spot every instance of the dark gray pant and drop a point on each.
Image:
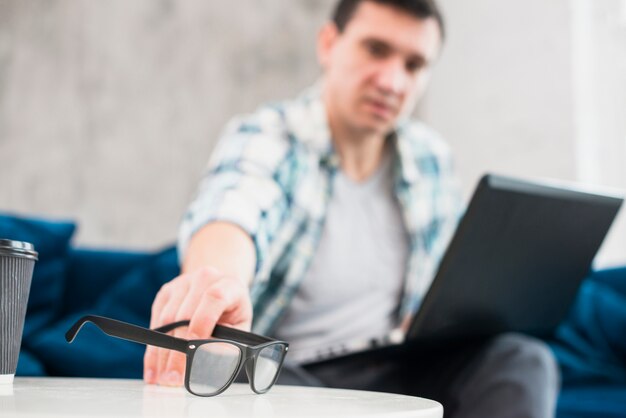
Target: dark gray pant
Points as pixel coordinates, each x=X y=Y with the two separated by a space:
x=508 y=376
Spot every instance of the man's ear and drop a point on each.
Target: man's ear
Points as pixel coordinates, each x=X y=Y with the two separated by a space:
x=326 y=39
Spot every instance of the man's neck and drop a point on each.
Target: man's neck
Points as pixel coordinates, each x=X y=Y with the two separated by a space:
x=360 y=153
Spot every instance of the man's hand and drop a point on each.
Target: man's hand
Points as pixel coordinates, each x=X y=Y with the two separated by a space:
x=205 y=297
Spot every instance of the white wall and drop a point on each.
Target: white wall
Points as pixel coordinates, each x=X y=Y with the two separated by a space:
x=599 y=63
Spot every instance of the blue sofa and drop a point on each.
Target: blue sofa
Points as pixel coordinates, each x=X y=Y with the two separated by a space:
x=69 y=282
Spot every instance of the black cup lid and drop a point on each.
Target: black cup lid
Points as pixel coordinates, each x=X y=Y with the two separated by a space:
x=17 y=249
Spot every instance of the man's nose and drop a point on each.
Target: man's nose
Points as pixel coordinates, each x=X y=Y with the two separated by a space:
x=392 y=77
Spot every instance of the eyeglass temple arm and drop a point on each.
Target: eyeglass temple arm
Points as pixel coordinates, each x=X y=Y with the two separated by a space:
x=221 y=331
x=129 y=332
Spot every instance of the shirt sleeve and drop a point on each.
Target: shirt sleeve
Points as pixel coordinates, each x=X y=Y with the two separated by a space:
x=241 y=185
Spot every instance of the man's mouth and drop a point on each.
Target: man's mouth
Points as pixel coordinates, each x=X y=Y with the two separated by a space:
x=381 y=108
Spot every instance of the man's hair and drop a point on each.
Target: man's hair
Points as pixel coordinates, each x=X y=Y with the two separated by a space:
x=422 y=9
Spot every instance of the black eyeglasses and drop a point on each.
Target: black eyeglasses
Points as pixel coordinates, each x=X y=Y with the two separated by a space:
x=212 y=364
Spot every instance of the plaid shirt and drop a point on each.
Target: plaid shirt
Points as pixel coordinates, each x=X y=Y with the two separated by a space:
x=271 y=174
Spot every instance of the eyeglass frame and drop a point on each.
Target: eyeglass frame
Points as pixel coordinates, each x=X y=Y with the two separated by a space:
x=249 y=344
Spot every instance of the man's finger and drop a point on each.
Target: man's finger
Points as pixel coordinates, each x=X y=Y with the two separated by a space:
x=150 y=365
x=210 y=309
x=150 y=358
x=198 y=282
x=167 y=316
x=160 y=301
x=174 y=372
x=185 y=312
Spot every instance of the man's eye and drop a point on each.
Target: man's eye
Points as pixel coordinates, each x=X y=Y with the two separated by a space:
x=414 y=66
x=376 y=50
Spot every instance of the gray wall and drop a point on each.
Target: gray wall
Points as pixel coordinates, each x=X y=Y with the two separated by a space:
x=109 y=110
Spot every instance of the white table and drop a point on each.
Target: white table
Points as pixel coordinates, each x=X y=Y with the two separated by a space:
x=63 y=397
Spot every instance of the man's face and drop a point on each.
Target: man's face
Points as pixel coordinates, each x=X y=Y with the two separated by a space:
x=378 y=67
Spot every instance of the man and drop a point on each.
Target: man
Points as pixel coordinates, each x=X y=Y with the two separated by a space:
x=328 y=214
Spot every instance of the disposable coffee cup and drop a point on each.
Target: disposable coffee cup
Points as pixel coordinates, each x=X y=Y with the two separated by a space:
x=17 y=261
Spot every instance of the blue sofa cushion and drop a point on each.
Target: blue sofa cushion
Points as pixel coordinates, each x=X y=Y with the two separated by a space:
x=129 y=299
x=51 y=240
x=592 y=401
x=590 y=344
x=93 y=272
x=591 y=349
x=29 y=365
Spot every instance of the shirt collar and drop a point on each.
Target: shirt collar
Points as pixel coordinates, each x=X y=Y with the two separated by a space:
x=406 y=156
x=307 y=119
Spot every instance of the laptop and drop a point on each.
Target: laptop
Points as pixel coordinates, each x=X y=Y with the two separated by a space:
x=514 y=264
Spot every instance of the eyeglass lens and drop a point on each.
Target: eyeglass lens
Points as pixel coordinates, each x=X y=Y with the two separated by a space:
x=267 y=366
x=213 y=366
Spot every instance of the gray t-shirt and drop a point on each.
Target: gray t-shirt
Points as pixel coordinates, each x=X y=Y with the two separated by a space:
x=354 y=284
